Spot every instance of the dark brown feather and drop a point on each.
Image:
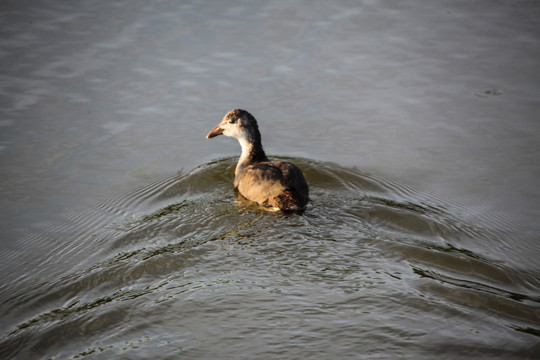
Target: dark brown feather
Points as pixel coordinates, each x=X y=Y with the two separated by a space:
x=276 y=184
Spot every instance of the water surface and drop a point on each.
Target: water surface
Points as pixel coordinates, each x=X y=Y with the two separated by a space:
x=416 y=126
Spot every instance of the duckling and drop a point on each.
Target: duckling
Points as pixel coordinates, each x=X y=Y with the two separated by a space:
x=275 y=185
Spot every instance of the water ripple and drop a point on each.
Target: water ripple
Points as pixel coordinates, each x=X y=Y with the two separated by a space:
x=363 y=242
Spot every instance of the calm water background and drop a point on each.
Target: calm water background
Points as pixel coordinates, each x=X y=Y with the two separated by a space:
x=417 y=125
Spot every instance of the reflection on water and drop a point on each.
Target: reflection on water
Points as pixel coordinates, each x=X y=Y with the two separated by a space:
x=189 y=260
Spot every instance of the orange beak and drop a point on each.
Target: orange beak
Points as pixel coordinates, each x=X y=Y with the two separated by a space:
x=217 y=131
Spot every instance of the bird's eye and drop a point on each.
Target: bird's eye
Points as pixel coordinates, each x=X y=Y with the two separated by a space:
x=232 y=121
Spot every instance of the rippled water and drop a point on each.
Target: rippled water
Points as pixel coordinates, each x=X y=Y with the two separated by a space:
x=187 y=268
x=108 y=251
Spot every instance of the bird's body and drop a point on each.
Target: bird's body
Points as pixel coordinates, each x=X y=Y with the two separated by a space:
x=277 y=185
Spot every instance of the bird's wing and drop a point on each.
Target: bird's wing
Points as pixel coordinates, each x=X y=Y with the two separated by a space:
x=258 y=182
x=292 y=177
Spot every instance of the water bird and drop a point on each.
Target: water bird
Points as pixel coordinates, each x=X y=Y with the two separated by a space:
x=275 y=185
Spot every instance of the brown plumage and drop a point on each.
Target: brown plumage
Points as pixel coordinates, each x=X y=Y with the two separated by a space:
x=277 y=185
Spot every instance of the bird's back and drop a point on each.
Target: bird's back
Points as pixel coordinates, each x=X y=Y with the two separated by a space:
x=277 y=185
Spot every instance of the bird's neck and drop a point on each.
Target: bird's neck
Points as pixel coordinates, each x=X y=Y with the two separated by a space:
x=252 y=152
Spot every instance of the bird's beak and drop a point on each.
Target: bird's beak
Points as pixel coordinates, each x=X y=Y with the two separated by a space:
x=217 y=131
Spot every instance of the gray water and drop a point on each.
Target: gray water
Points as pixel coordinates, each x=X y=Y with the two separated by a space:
x=416 y=124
